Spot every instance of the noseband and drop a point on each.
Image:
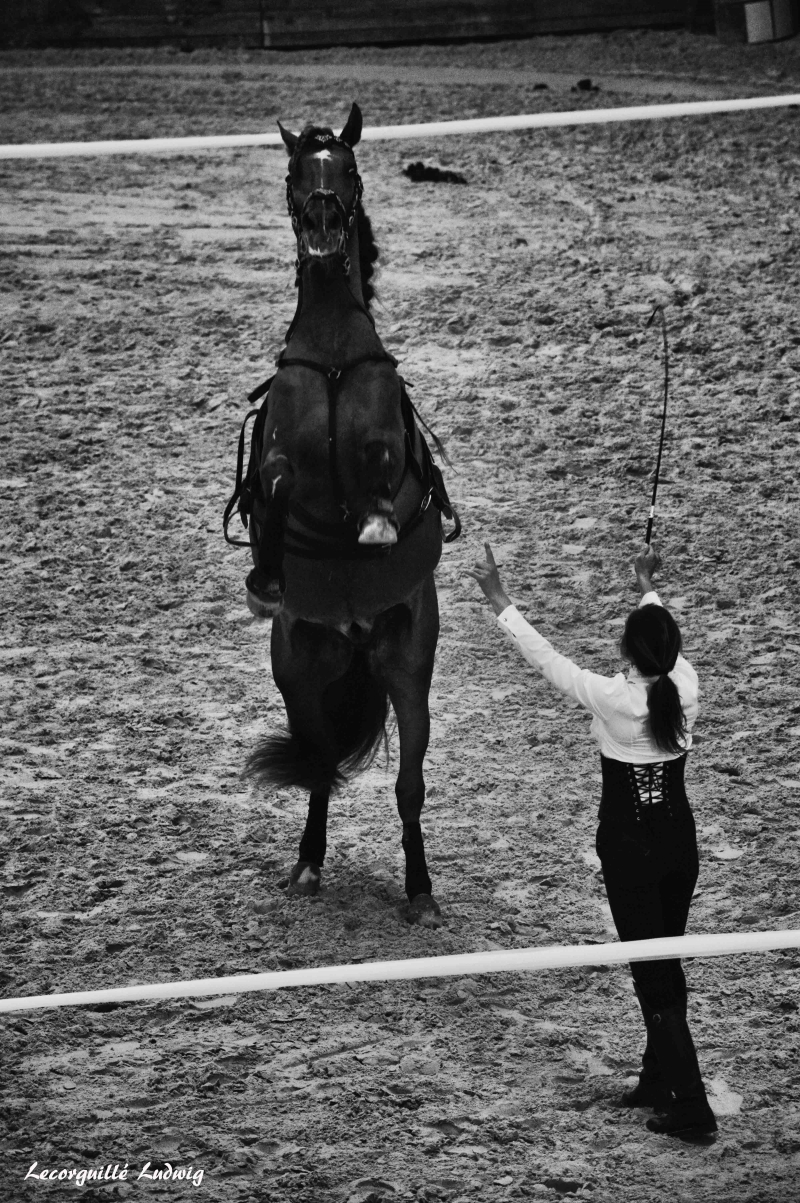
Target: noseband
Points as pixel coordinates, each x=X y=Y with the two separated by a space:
x=303 y=252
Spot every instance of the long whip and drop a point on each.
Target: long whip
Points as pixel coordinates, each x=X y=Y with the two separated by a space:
x=659 y=309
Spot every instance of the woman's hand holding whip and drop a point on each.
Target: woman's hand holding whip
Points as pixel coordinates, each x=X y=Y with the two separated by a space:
x=486 y=574
x=646 y=563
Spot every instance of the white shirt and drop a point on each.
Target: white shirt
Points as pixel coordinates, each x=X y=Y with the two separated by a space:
x=619 y=704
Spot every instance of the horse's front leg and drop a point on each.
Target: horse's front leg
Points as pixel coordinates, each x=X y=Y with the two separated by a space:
x=378 y=524
x=265 y=584
x=410 y=701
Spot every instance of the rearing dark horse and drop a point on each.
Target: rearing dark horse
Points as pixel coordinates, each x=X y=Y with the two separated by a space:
x=344 y=535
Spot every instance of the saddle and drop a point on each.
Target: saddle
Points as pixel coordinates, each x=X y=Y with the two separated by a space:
x=306 y=535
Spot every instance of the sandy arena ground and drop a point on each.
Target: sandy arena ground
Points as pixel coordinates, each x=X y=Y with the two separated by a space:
x=142 y=298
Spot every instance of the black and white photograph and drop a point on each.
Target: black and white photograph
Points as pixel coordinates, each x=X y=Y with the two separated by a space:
x=400 y=596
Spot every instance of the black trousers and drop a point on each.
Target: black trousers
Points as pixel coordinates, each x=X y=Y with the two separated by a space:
x=648 y=851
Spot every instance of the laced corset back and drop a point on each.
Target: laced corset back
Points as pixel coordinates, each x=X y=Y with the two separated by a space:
x=650 y=787
x=641 y=792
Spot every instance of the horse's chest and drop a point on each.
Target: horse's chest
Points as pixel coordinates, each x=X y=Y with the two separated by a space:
x=303 y=437
x=313 y=427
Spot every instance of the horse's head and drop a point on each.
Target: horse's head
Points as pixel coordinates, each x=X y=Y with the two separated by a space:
x=323 y=188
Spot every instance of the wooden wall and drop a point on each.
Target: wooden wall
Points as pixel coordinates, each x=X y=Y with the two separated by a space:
x=132 y=22
x=289 y=23
x=315 y=22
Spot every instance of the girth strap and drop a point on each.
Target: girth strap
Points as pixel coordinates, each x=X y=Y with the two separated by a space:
x=336 y=546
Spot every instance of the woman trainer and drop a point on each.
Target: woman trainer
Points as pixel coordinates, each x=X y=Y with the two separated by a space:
x=646 y=834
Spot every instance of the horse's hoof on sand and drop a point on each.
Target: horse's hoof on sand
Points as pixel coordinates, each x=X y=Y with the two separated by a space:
x=425 y=911
x=378 y=530
x=305 y=879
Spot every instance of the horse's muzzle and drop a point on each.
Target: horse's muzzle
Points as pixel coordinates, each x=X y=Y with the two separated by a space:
x=323 y=227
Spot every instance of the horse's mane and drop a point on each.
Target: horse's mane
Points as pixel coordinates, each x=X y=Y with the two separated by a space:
x=367 y=254
x=367 y=246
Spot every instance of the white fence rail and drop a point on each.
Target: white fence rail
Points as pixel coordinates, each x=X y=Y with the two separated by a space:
x=501 y=961
x=428 y=129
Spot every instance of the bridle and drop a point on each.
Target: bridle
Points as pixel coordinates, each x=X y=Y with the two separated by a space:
x=348 y=218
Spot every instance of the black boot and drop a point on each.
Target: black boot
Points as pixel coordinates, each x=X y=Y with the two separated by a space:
x=689 y=1113
x=651 y=1089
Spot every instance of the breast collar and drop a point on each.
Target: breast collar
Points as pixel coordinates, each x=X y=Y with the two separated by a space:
x=311 y=537
x=333 y=379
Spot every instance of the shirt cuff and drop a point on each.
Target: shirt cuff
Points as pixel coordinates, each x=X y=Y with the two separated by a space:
x=650 y=599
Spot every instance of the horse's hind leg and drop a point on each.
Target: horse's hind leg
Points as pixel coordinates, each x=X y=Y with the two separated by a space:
x=306 y=875
x=305 y=659
x=406 y=653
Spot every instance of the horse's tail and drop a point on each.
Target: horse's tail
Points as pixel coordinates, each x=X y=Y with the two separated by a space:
x=357 y=709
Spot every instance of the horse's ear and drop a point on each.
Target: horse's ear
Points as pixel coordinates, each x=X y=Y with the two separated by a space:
x=351 y=133
x=289 y=138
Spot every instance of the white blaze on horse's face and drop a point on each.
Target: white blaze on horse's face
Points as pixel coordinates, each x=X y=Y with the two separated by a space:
x=323 y=157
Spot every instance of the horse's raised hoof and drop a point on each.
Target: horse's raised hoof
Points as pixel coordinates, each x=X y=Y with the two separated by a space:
x=378 y=530
x=425 y=911
x=305 y=879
